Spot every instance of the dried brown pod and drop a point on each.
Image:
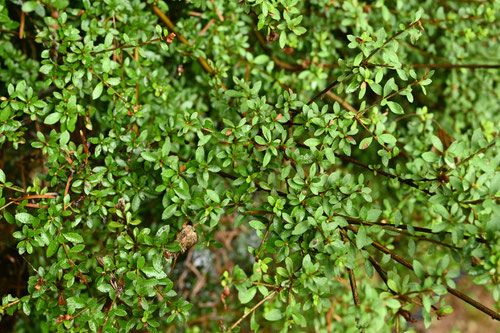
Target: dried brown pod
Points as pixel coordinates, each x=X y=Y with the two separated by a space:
x=187 y=237
x=444 y=178
x=121 y=204
x=273 y=35
x=61 y=300
x=226 y=291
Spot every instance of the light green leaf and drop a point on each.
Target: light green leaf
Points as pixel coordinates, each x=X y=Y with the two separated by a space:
x=261 y=59
x=300 y=228
x=393 y=303
x=436 y=142
x=267 y=159
x=299 y=31
x=257 y=225
x=73 y=237
x=148 y=156
x=312 y=142
x=26 y=218
x=419 y=269
x=247 y=295
x=52 y=248
x=395 y=108
x=373 y=214
x=52 y=118
x=153 y=273
x=387 y=138
x=282 y=39
x=29 y=6
x=213 y=196
x=273 y=315
x=97 y=91
x=362 y=240
x=113 y=81
x=430 y=157
x=140 y=262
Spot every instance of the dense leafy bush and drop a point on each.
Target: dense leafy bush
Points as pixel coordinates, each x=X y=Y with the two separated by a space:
x=319 y=165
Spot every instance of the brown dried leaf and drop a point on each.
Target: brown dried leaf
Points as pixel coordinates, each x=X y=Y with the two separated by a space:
x=272 y=36
x=445 y=138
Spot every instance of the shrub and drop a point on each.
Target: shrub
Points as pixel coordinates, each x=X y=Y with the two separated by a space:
x=222 y=165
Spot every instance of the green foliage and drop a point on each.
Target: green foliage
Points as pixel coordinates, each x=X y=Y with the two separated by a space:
x=222 y=165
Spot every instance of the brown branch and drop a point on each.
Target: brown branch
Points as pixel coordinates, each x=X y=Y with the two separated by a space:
x=356 y=221
x=10 y=304
x=17 y=33
x=13 y=188
x=21 y=25
x=66 y=189
x=408 y=182
x=492 y=313
x=402 y=232
x=383 y=275
x=207 y=26
x=27 y=205
x=447 y=66
x=35 y=196
x=109 y=310
x=324 y=91
x=423 y=52
x=353 y=220
x=111 y=88
x=471 y=156
x=475 y=202
x=453 y=66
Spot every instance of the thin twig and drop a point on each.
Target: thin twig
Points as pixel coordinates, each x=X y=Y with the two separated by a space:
x=402 y=232
x=271 y=295
x=472 y=66
x=352 y=278
x=360 y=113
x=324 y=91
x=10 y=304
x=408 y=182
x=471 y=156
x=477 y=201
x=269 y=223
x=388 y=41
x=437 y=66
x=122 y=47
x=183 y=40
x=14 y=188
